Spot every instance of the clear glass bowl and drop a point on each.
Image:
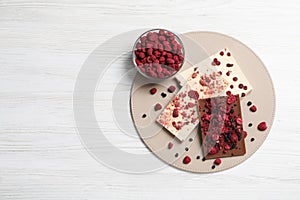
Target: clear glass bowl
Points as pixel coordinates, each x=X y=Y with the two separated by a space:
x=158 y=54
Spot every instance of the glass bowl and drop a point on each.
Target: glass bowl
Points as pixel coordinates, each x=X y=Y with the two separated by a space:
x=158 y=54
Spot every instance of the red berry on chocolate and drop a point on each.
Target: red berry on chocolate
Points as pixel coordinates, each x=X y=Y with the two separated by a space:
x=245 y=134
x=217 y=161
x=175 y=113
x=193 y=94
x=186 y=160
x=157 y=107
x=215 y=137
x=231 y=99
x=239 y=121
x=213 y=151
x=234 y=137
x=253 y=108
x=191 y=105
x=226 y=147
x=262 y=126
x=153 y=91
x=171 y=89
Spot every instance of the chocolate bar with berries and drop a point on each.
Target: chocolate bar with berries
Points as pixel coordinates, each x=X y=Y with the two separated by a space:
x=221 y=127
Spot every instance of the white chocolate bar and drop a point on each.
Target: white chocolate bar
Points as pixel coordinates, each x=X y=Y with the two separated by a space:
x=183 y=123
x=229 y=72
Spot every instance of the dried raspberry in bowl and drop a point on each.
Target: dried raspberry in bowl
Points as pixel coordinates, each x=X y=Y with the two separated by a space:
x=158 y=54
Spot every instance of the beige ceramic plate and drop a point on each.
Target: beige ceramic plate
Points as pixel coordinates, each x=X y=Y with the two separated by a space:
x=157 y=139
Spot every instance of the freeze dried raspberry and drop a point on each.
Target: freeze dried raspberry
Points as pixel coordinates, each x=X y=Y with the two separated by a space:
x=177 y=125
x=171 y=89
x=262 y=126
x=231 y=99
x=218 y=161
x=157 y=107
x=239 y=121
x=186 y=160
x=253 y=108
x=213 y=151
x=228 y=73
x=245 y=134
x=153 y=91
x=175 y=113
x=170 y=145
x=234 y=137
x=191 y=105
x=226 y=147
x=193 y=94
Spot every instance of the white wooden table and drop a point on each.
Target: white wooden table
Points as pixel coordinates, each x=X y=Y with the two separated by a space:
x=42 y=47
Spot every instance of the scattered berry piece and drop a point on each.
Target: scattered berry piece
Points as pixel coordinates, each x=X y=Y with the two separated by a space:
x=153 y=91
x=253 y=108
x=234 y=78
x=170 y=145
x=249 y=103
x=157 y=107
x=218 y=161
x=241 y=86
x=262 y=126
x=186 y=160
x=171 y=89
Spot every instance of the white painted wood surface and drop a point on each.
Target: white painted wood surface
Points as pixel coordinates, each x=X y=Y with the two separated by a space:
x=42 y=47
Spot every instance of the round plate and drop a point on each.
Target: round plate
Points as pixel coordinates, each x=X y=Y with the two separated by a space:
x=157 y=139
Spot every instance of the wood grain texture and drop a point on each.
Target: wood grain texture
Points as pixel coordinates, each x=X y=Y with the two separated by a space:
x=42 y=47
